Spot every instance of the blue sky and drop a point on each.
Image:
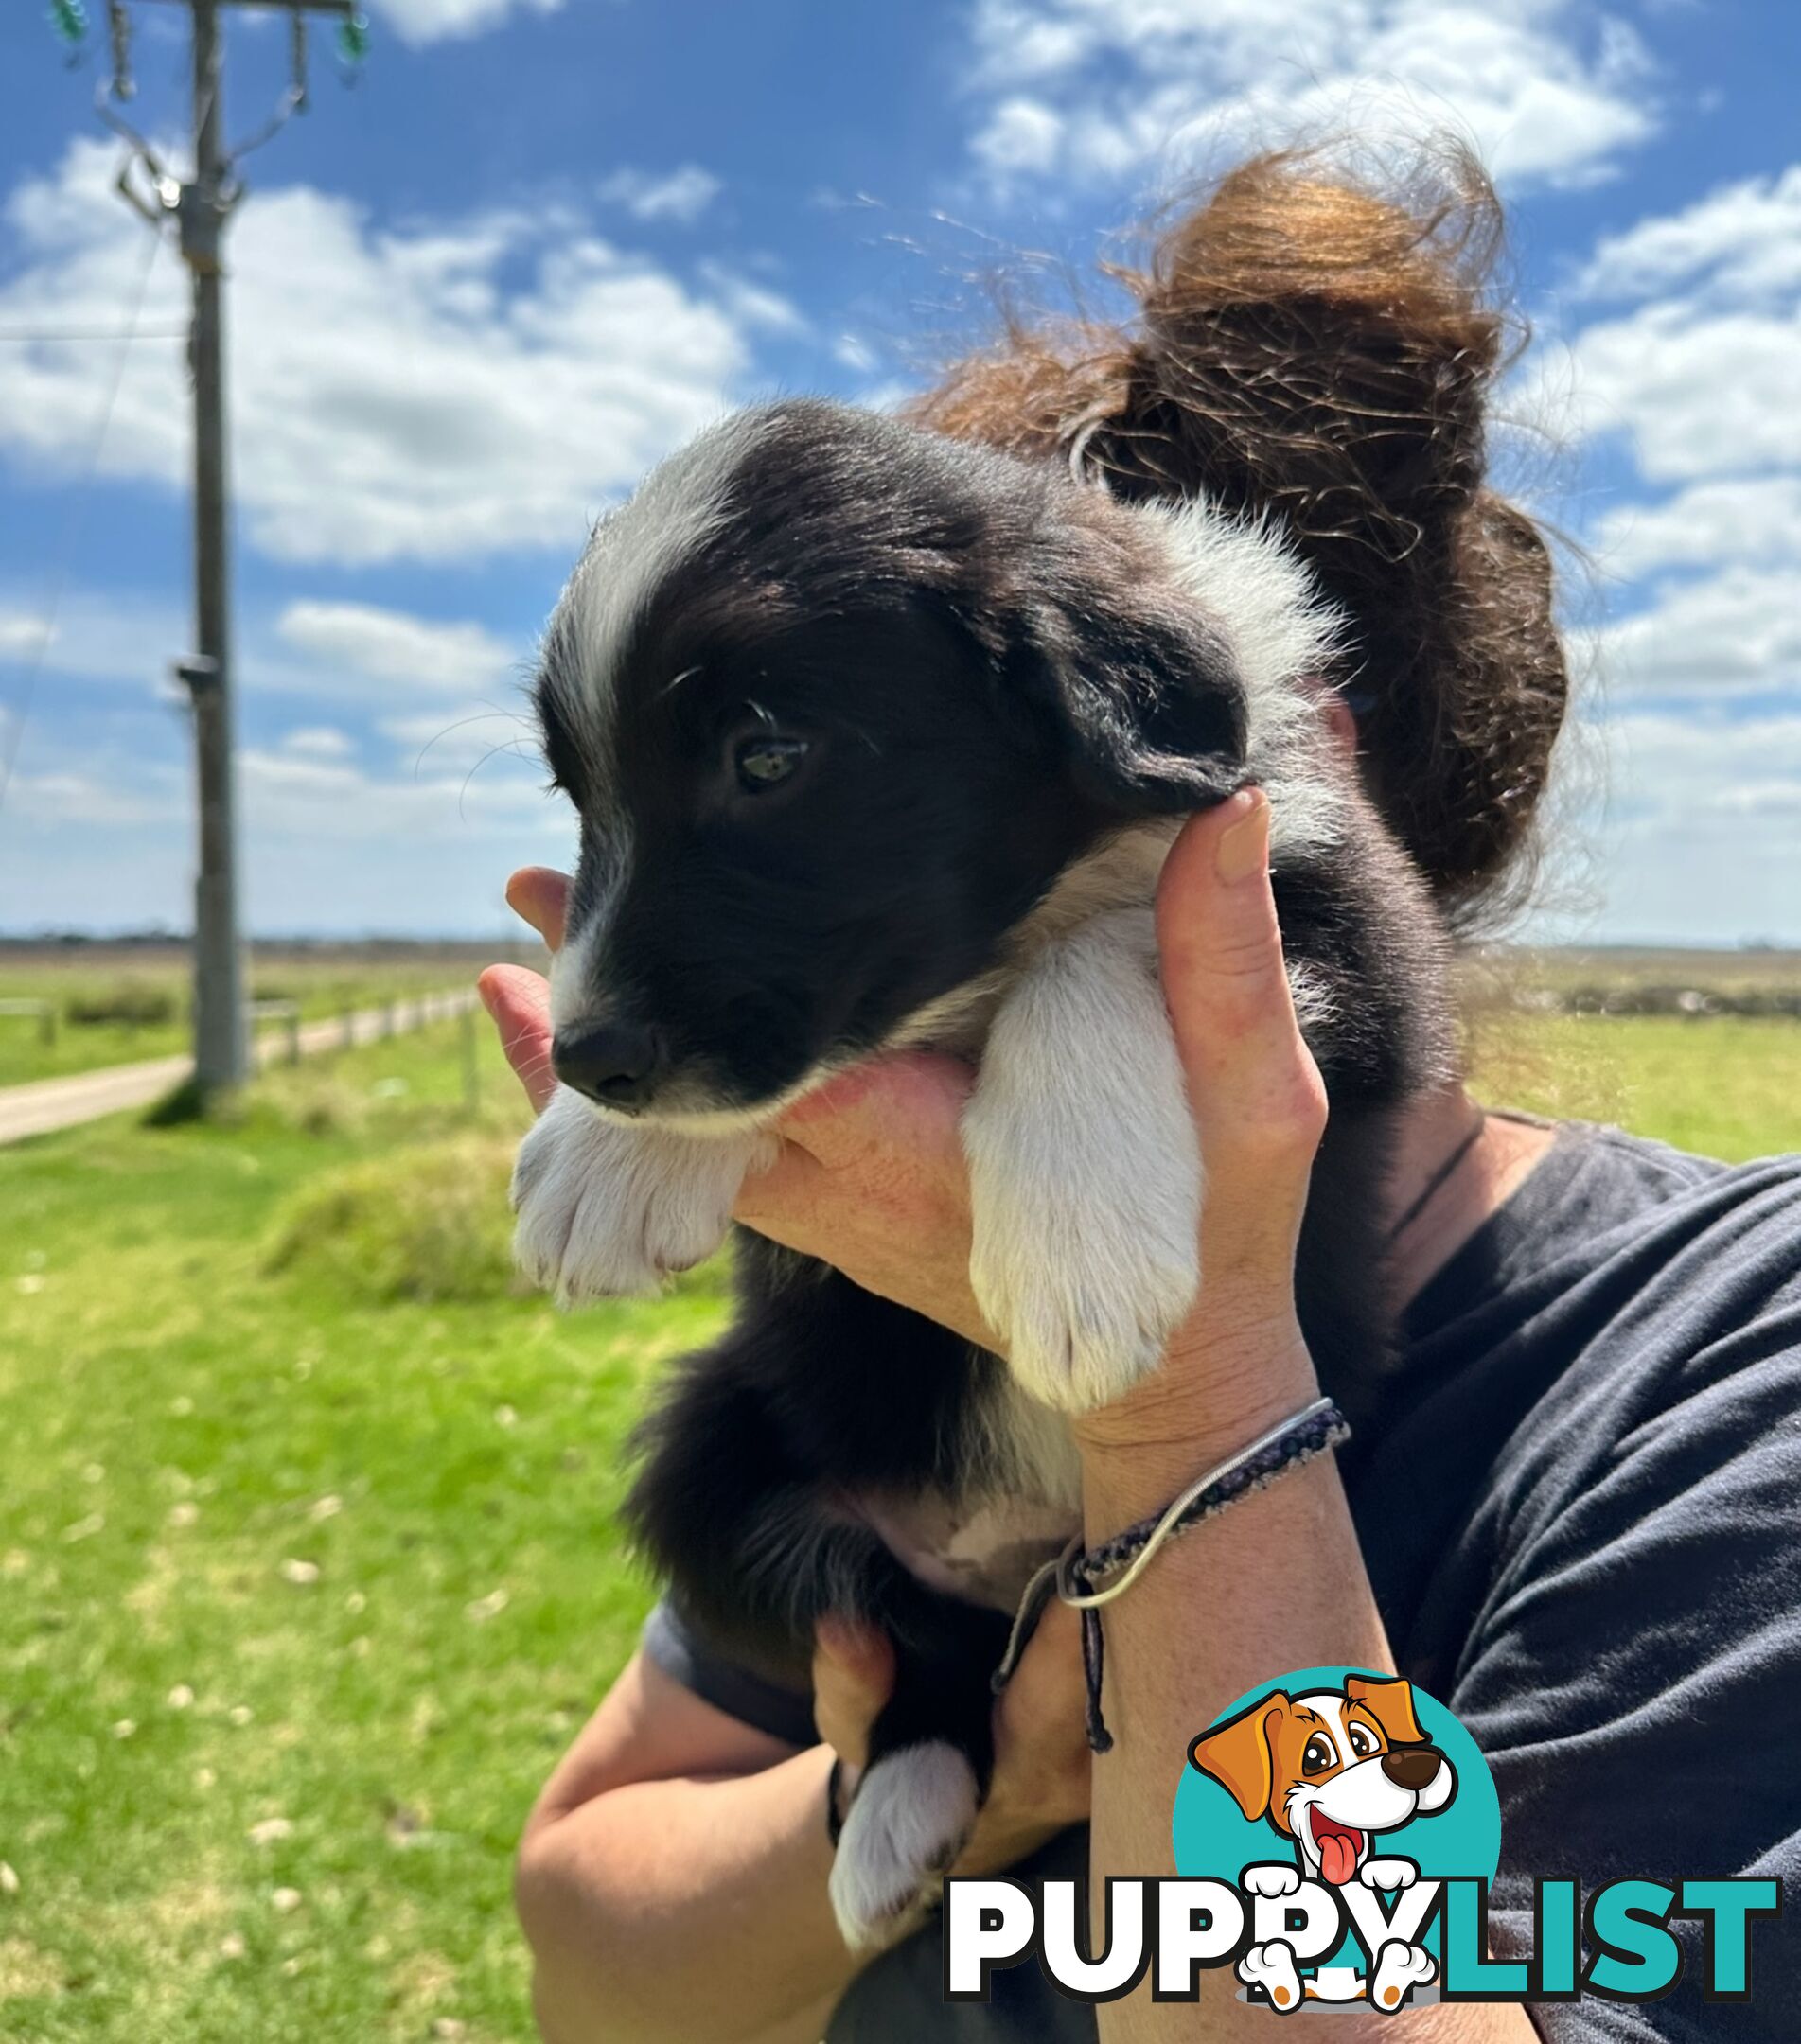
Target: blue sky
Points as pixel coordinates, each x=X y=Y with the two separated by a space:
x=540 y=242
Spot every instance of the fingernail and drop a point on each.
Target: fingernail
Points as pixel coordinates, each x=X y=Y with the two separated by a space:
x=1242 y=850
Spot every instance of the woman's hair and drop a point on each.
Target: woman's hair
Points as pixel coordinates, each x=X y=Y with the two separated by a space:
x=1311 y=346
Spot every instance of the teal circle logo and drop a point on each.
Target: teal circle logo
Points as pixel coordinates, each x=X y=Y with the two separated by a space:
x=1337 y=1774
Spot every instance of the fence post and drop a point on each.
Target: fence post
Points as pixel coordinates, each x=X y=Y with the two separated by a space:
x=471 y=1069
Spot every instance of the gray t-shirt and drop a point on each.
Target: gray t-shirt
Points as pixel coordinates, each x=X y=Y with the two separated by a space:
x=1577 y=1494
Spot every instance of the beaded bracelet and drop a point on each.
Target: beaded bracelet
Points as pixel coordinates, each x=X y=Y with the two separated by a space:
x=1077 y=1577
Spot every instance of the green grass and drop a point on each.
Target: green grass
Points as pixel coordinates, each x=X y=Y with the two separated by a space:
x=227 y=1361
x=1727 y=1087
x=323 y=983
x=307 y=1567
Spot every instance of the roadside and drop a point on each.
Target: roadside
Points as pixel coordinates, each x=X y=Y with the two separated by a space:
x=44 y=1104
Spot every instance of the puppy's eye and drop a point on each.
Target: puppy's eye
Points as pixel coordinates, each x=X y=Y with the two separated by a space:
x=1319 y=1755
x=1363 y=1740
x=765 y=761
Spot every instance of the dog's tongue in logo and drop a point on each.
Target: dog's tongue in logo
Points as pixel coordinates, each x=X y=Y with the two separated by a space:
x=1338 y=1847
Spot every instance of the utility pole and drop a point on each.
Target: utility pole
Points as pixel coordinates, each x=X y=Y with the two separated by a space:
x=222 y=1036
x=202 y=205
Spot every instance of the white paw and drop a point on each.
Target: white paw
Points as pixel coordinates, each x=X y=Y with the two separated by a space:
x=1273 y=1882
x=1083 y=1311
x=1389 y=1875
x=1084 y=1172
x=1272 y=1967
x=1400 y=1968
x=907 y=1822
x=608 y=1208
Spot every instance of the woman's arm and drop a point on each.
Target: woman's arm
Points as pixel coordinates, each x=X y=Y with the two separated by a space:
x=1278 y=1577
x=671 y=1880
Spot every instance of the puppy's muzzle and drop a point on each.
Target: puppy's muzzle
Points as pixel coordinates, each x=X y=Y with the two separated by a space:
x=1412 y=1767
x=617 y=1063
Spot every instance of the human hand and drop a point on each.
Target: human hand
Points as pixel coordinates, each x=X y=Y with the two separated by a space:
x=870 y=1176
x=1040 y=1784
x=1239 y=1364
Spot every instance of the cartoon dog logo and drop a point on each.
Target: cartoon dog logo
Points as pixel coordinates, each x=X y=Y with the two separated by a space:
x=1331 y=1771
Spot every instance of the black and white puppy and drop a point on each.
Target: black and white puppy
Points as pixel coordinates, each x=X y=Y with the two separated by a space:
x=879 y=739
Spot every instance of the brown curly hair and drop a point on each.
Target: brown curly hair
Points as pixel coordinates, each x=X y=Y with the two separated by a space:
x=1312 y=346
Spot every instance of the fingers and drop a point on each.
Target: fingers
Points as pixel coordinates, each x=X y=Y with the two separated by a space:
x=518 y=1001
x=1251 y=1079
x=1041 y=1720
x=540 y=895
x=853 y=1673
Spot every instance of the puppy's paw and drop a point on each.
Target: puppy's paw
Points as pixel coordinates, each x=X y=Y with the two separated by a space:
x=1389 y=1875
x=1400 y=1968
x=1084 y=1293
x=908 y=1819
x=1271 y=1881
x=608 y=1208
x=1272 y=1967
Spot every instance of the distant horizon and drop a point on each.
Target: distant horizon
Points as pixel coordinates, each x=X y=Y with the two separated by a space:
x=500 y=941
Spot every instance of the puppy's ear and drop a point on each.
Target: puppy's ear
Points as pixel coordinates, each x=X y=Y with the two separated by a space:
x=1147 y=711
x=1390 y=1699
x=1239 y=1756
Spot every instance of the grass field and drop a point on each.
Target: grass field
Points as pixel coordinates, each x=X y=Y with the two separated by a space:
x=151 y=982
x=305 y=1568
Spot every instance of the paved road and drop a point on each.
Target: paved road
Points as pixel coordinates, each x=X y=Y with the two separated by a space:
x=54 y=1104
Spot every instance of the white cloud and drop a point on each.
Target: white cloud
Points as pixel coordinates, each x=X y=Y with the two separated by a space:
x=390 y=645
x=21 y=634
x=425 y=393
x=1703 y=838
x=1547 y=89
x=437 y=20
x=682 y=195
x=1738 y=631
x=328 y=848
x=1744 y=238
x=1744 y=519
x=319 y=741
x=1696 y=390
x=464 y=738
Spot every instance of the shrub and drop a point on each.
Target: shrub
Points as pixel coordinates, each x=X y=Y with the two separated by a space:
x=427 y=1223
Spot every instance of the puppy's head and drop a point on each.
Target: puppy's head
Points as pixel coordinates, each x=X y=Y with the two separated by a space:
x=1330 y=1770
x=836 y=701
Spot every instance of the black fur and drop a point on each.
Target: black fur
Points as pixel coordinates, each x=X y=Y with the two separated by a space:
x=993 y=673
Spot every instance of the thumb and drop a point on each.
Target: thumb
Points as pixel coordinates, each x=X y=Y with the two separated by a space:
x=518 y=1001
x=1253 y=1085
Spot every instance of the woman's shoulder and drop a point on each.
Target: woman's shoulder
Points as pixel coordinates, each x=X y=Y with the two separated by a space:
x=1603 y=1207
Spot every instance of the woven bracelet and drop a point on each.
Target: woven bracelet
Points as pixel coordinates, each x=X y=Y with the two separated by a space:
x=1080 y=1579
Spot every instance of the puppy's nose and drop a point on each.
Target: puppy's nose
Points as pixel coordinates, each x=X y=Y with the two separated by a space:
x=615 y=1062
x=1411 y=1766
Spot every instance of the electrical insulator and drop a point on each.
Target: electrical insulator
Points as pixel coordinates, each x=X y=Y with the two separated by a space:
x=70 y=21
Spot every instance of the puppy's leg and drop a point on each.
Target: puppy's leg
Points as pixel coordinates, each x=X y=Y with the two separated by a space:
x=1400 y=1968
x=930 y=1756
x=1272 y=1968
x=607 y=1207
x=1084 y=1171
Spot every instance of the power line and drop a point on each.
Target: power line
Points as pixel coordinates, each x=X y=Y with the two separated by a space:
x=13 y=735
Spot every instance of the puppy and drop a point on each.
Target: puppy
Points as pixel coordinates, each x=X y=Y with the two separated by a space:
x=878 y=739
x=1330 y=1772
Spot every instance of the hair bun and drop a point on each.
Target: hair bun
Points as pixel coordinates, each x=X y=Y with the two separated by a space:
x=1310 y=347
